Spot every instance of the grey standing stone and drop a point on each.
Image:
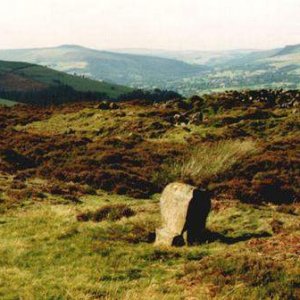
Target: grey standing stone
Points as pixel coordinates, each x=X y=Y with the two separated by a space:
x=184 y=210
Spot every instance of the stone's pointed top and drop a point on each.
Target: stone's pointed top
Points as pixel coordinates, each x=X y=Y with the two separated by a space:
x=177 y=187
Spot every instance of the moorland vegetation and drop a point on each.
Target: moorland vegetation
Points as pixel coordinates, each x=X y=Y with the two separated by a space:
x=79 y=190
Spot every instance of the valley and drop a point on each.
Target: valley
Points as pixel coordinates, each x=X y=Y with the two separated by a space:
x=186 y=72
x=150 y=150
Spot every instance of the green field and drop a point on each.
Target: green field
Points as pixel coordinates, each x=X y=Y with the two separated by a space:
x=52 y=77
x=45 y=253
x=7 y=102
x=36 y=74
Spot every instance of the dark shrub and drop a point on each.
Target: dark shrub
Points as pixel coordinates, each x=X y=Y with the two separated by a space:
x=107 y=212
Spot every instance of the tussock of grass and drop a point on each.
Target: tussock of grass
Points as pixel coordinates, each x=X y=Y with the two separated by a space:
x=208 y=161
x=7 y=102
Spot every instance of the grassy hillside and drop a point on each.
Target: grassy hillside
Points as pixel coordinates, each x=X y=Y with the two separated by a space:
x=236 y=70
x=47 y=254
x=7 y=102
x=134 y=70
x=292 y=49
x=80 y=187
x=24 y=77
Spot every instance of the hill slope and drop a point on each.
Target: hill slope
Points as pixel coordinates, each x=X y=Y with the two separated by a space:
x=128 y=69
x=127 y=149
x=187 y=72
x=6 y=102
x=291 y=49
x=275 y=68
x=71 y=229
x=24 y=81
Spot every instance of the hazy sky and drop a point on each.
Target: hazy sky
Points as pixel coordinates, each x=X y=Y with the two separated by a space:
x=165 y=24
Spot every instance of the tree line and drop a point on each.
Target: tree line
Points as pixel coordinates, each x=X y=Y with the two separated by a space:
x=55 y=95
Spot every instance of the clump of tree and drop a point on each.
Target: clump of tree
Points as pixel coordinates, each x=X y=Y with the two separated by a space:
x=55 y=95
x=52 y=95
x=155 y=95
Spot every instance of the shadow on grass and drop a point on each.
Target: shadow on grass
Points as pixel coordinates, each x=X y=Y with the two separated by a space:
x=211 y=236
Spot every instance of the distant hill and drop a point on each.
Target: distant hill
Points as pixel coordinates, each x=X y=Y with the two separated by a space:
x=240 y=69
x=127 y=69
x=32 y=83
x=292 y=49
x=207 y=58
x=186 y=72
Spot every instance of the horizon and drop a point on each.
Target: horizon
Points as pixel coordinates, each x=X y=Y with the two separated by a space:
x=149 y=49
x=190 y=25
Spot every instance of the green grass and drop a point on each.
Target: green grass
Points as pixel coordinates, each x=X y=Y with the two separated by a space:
x=9 y=66
x=7 y=102
x=48 y=250
x=92 y=122
x=45 y=253
x=51 y=77
x=207 y=161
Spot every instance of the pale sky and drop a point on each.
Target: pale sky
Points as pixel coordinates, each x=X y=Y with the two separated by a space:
x=160 y=24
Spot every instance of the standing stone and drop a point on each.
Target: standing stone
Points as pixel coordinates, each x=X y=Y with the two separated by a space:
x=184 y=209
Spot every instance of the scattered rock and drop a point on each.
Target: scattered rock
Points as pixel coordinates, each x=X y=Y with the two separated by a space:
x=196 y=118
x=184 y=210
x=261 y=98
x=113 y=105
x=180 y=118
x=105 y=105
